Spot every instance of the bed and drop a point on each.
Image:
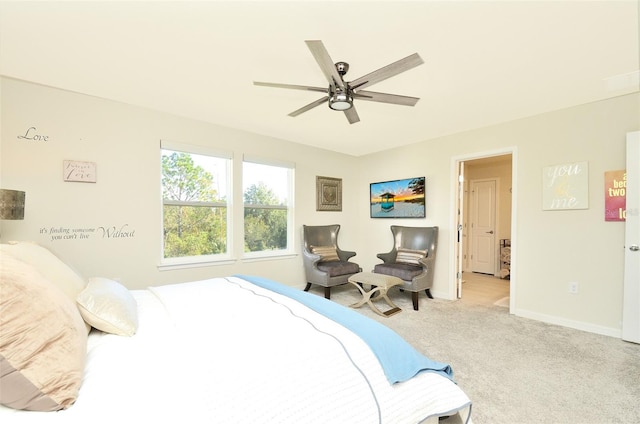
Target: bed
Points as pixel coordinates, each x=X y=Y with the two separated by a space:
x=237 y=349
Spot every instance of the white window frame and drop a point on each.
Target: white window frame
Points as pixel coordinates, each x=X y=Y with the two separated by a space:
x=195 y=261
x=289 y=251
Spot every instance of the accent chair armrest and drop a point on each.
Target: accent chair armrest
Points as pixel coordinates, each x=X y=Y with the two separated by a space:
x=344 y=255
x=389 y=257
x=427 y=262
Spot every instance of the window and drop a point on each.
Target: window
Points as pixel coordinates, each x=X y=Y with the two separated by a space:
x=268 y=199
x=195 y=210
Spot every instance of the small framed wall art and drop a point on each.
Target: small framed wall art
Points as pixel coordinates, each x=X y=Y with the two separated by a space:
x=615 y=195
x=328 y=194
x=77 y=171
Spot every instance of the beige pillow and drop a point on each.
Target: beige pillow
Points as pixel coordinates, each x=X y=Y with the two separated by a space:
x=327 y=253
x=43 y=340
x=47 y=264
x=109 y=306
x=410 y=256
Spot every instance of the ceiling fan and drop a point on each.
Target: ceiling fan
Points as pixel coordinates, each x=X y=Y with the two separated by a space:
x=340 y=93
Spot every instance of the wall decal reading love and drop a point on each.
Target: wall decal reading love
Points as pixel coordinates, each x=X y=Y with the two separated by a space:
x=32 y=135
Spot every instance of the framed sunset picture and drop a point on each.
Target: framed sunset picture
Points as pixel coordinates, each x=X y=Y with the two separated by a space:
x=398 y=198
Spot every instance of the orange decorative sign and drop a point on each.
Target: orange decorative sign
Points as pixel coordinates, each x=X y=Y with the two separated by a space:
x=615 y=195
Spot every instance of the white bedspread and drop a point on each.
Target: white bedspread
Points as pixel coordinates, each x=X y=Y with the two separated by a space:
x=227 y=351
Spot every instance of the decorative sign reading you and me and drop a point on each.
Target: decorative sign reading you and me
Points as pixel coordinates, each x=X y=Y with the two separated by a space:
x=565 y=186
x=615 y=195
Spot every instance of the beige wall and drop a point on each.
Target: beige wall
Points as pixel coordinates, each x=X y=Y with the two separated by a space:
x=124 y=142
x=552 y=247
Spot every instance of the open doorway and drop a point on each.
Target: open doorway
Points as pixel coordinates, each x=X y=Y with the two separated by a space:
x=485 y=210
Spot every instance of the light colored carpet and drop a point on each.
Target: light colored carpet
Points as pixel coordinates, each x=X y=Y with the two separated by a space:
x=517 y=370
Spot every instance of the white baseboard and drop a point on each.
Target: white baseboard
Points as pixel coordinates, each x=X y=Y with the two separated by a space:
x=441 y=295
x=577 y=325
x=550 y=319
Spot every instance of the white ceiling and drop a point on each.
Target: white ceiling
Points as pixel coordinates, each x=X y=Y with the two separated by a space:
x=486 y=62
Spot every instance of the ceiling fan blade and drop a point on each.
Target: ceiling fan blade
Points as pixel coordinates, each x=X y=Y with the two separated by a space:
x=395 y=99
x=352 y=115
x=327 y=66
x=309 y=106
x=292 y=86
x=387 y=72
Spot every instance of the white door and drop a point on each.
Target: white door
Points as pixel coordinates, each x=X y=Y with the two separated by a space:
x=631 y=303
x=483 y=226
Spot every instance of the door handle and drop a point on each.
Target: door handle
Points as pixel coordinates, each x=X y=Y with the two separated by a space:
x=491 y=232
x=634 y=247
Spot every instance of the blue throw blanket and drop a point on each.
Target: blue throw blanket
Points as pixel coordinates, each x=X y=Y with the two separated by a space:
x=398 y=358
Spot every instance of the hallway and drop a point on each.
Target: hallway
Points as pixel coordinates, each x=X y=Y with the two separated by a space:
x=483 y=289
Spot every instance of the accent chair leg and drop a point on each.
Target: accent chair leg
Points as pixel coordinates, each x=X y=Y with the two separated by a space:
x=428 y=292
x=308 y=287
x=414 y=297
x=327 y=292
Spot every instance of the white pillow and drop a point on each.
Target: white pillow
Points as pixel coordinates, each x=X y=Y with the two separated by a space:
x=109 y=306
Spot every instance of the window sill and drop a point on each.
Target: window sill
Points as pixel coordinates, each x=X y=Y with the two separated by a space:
x=183 y=263
x=194 y=262
x=271 y=256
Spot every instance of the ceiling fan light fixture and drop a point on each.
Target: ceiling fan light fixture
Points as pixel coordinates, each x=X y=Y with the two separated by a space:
x=340 y=101
x=340 y=93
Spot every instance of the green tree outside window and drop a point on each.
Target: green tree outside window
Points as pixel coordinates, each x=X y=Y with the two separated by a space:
x=194 y=214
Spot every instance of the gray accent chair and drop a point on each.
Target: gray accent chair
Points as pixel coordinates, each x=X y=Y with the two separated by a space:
x=324 y=270
x=416 y=276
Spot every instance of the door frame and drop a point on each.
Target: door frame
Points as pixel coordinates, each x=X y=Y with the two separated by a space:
x=454 y=263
